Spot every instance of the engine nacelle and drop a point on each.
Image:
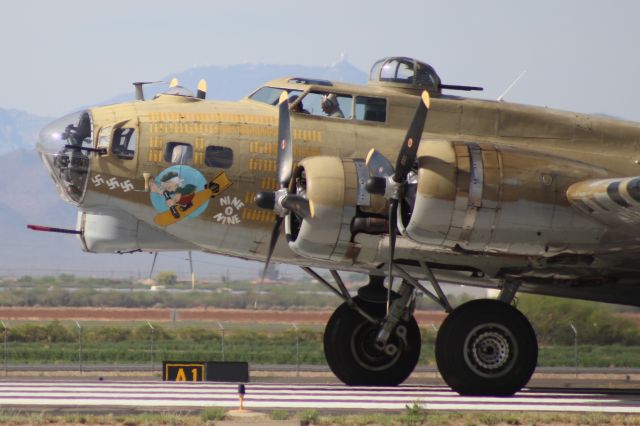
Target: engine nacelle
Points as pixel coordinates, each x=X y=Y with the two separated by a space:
x=333 y=186
x=116 y=231
x=488 y=198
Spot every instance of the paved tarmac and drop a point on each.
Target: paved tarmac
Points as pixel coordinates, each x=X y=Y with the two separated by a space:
x=260 y=396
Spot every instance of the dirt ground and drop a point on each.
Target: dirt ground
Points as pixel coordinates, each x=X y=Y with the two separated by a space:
x=424 y=318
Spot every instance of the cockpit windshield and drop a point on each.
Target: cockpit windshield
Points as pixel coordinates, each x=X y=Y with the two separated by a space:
x=63 y=149
x=267 y=95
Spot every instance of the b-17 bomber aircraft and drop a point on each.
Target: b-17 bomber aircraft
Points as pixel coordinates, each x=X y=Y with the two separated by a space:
x=394 y=179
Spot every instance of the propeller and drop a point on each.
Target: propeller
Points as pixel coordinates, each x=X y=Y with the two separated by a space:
x=153 y=264
x=378 y=164
x=389 y=182
x=202 y=89
x=280 y=201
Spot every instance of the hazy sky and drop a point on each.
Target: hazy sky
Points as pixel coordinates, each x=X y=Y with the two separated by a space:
x=579 y=55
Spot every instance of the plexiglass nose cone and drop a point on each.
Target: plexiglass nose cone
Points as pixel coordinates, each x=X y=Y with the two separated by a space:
x=60 y=146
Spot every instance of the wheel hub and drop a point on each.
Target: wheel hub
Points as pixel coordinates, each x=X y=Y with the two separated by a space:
x=368 y=353
x=490 y=350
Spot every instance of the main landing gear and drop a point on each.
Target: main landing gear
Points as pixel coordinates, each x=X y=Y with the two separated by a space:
x=484 y=347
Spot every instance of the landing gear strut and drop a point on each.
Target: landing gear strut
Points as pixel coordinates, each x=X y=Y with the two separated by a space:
x=484 y=347
x=363 y=344
x=357 y=358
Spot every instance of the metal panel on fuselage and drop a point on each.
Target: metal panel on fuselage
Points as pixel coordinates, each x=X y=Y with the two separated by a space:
x=250 y=129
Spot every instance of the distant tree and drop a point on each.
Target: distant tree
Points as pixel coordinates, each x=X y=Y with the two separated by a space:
x=166 y=278
x=66 y=278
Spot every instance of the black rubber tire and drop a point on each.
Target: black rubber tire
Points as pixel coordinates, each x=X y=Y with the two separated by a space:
x=352 y=356
x=486 y=347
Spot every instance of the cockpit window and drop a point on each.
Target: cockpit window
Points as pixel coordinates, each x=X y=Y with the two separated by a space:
x=328 y=104
x=426 y=76
x=375 y=70
x=405 y=72
x=267 y=95
x=400 y=71
x=124 y=143
x=271 y=96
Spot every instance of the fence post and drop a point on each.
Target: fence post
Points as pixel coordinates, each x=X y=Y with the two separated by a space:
x=295 y=327
x=5 y=329
x=79 y=345
x=222 y=339
x=152 y=351
x=575 y=346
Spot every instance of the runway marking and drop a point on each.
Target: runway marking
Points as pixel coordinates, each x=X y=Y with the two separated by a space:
x=270 y=396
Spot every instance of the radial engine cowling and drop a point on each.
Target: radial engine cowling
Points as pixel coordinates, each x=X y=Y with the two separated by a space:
x=333 y=186
x=490 y=198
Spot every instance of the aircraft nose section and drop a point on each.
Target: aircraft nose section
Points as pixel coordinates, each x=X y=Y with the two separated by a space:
x=60 y=147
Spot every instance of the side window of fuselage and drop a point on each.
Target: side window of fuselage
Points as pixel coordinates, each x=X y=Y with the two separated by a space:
x=104 y=137
x=178 y=153
x=124 y=143
x=219 y=157
x=371 y=109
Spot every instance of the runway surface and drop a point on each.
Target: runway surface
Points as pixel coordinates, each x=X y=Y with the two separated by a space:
x=148 y=394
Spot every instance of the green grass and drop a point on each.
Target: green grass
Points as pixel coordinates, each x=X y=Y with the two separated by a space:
x=410 y=416
x=57 y=343
x=274 y=351
x=280 y=415
x=590 y=356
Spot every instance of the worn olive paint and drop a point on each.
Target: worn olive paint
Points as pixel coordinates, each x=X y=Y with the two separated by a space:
x=530 y=155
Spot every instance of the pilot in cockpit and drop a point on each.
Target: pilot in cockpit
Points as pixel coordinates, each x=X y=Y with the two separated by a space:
x=299 y=107
x=330 y=106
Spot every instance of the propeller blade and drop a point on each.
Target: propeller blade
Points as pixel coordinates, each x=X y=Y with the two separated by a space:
x=299 y=205
x=285 y=149
x=275 y=233
x=412 y=140
x=153 y=264
x=393 y=219
x=378 y=164
x=202 y=89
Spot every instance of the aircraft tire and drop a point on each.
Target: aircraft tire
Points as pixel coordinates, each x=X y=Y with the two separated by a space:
x=486 y=347
x=350 y=351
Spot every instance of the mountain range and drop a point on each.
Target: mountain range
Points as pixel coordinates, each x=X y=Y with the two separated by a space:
x=19 y=129
x=29 y=196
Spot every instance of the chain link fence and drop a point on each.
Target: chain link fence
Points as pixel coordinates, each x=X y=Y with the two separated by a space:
x=145 y=343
